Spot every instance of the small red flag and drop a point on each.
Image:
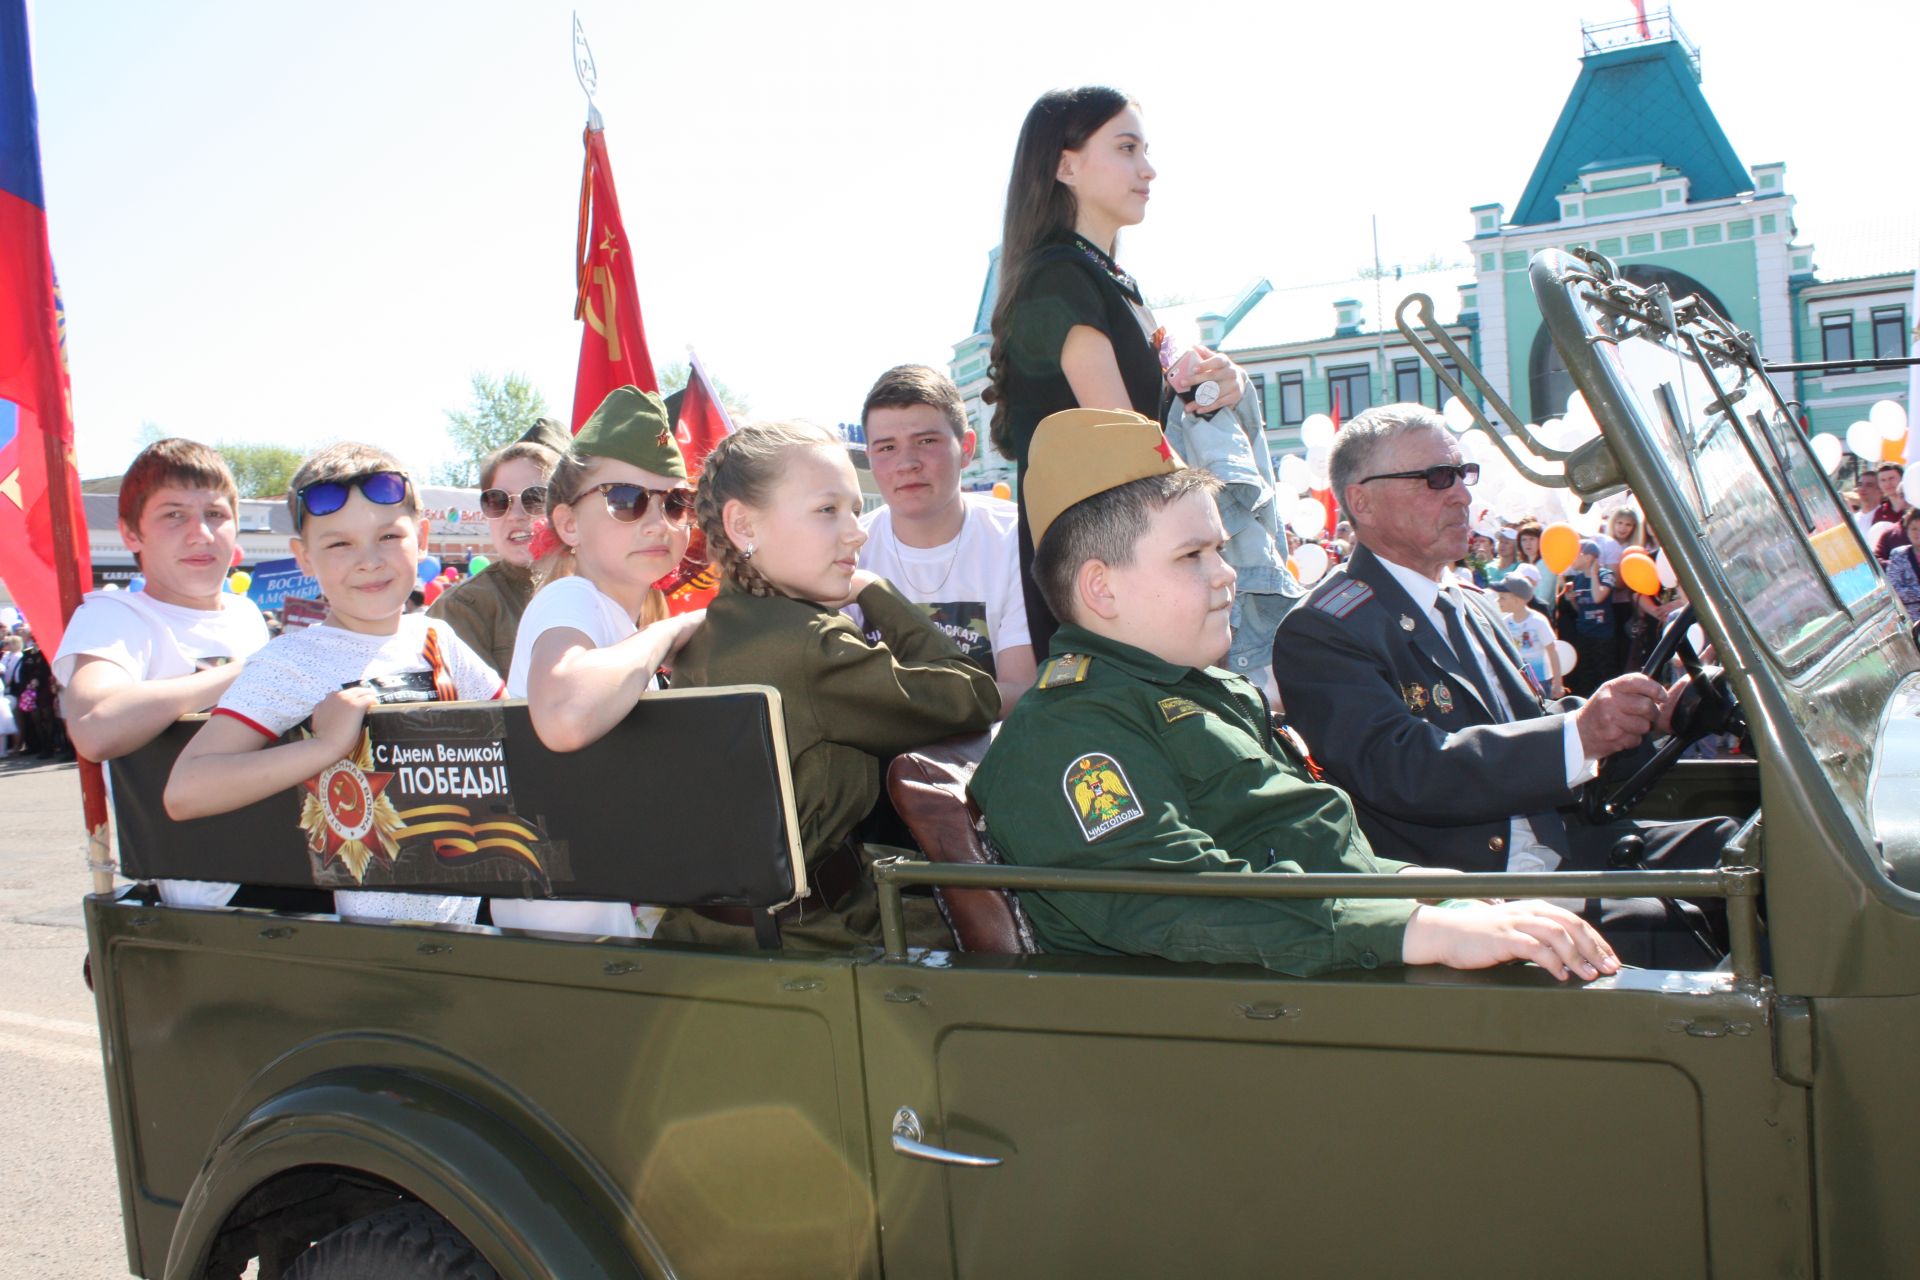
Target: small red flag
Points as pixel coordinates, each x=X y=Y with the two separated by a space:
x=703 y=421
x=46 y=563
x=1640 y=12
x=613 y=345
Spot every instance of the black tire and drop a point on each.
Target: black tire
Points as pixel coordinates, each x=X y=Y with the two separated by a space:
x=410 y=1242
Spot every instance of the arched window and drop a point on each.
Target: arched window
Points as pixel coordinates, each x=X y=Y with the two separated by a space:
x=1549 y=384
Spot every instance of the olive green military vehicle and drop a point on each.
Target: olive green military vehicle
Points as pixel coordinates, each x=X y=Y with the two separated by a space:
x=442 y=1101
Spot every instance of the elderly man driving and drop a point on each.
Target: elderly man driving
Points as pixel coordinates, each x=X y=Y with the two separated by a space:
x=1407 y=689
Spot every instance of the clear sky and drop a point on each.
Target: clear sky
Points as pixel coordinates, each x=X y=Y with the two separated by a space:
x=308 y=221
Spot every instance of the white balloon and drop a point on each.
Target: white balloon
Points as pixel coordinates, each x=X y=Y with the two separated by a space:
x=1663 y=568
x=1307 y=517
x=1293 y=473
x=1319 y=474
x=1316 y=430
x=1551 y=432
x=1310 y=558
x=1827 y=450
x=1697 y=638
x=1458 y=417
x=1864 y=441
x=1890 y=418
x=1568 y=658
x=1910 y=486
x=1577 y=410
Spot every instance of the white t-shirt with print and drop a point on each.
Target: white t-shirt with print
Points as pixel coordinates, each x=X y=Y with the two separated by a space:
x=1532 y=635
x=970 y=587
x=577 y=604
x=285 y=681
x=150 y=639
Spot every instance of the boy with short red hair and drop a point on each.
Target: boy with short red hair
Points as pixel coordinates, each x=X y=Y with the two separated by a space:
x=133 y=662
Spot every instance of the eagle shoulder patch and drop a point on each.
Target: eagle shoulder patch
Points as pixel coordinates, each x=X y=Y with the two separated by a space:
x=1099 y=795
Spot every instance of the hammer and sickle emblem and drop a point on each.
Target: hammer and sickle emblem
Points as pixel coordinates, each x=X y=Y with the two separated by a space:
x=609 y=301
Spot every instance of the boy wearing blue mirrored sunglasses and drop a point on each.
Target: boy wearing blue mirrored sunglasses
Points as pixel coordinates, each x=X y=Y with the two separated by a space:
x=358 y=531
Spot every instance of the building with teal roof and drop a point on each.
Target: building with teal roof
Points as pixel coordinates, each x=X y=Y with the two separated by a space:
x=1637 y=167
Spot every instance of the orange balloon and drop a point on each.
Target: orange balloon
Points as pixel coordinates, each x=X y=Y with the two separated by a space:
x=1002 y=489
x=1559 y=546
x=1293 y=568
x=1637 y=570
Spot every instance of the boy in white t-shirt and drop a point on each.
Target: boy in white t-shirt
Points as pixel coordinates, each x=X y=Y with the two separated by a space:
x=1530 y=632
x=357 y=530
x=954 y=554
x=131 y=663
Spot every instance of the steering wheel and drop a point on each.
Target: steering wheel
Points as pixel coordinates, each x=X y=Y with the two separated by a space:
x=1706 y=706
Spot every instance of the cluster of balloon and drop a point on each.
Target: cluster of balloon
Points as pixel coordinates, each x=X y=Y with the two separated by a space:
x=1882 y=435
x=477 y=564
x=1559 y=546
x=238 y=581
x=1001 y=489
x=428 y=569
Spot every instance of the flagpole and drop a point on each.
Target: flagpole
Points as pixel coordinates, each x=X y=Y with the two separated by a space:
x=62 y=482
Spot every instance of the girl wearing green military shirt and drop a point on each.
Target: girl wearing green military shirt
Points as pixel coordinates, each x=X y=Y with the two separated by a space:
x=779 y=505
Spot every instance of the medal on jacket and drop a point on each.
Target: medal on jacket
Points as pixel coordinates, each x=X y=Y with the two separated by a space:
x=1443 y=699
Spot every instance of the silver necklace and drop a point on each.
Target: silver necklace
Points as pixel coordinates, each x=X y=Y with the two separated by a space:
x=966 y=513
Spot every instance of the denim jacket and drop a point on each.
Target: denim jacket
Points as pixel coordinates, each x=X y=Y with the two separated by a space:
x=1232 y=445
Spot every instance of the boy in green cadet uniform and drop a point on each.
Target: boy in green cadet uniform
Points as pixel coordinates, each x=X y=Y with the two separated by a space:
x=1135 y=752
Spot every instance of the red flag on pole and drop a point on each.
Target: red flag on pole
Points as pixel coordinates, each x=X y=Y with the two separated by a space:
x=1640 y=12
x=613 y=346
x=46 y=566
x=701 y=423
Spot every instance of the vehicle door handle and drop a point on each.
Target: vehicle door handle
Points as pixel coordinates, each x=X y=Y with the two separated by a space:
x=906 y=1141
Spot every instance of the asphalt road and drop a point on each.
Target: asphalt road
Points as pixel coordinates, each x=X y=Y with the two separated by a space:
x=59 y=1201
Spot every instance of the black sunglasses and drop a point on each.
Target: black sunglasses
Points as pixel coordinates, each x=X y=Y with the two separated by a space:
x=496 y=502
x=629 y=502
x=324 y=497
x=1440 y=477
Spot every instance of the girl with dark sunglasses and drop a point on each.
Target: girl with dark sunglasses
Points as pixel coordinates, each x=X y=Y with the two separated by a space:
x=596 y=632
x=485 y=609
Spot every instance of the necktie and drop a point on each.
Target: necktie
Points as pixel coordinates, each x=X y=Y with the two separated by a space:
x=1463 y=649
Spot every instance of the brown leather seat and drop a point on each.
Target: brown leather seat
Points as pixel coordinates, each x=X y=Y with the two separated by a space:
x=929 y=792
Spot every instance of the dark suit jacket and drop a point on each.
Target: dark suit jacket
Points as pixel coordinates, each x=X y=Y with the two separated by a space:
x=1396 y=720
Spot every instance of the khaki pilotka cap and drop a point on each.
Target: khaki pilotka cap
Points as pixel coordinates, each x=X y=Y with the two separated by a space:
x=548 y=432
x=632 y=425
x=1077 y=453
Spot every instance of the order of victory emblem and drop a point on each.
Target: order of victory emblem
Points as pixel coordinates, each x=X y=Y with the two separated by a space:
x=347 y=816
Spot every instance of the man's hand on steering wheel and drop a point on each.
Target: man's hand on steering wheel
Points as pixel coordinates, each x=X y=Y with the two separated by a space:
x=1622 y=712
x=1696 y=705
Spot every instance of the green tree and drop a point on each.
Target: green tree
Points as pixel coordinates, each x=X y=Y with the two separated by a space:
x=261 y=470
x=502 y=410
x=675 y=376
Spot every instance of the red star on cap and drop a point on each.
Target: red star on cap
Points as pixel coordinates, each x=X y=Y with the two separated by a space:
x=1164 y=449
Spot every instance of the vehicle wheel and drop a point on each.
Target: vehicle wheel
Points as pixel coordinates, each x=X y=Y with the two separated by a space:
x=410 y=1242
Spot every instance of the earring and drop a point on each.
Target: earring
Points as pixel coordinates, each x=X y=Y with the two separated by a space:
x=748 y=553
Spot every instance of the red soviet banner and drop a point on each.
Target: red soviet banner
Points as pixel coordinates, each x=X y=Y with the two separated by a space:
x=699 y=425
x=613 y=345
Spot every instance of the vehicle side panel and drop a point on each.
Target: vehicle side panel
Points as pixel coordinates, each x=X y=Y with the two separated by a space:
x=1165 y=1120
x=717 y=1096
x=1865 y=1051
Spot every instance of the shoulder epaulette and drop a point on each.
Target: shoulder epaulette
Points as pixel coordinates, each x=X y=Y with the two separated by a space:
x=1343 y=599
x=1065 y=668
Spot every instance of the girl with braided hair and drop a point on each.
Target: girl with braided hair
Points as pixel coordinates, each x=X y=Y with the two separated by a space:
x=780 y=505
